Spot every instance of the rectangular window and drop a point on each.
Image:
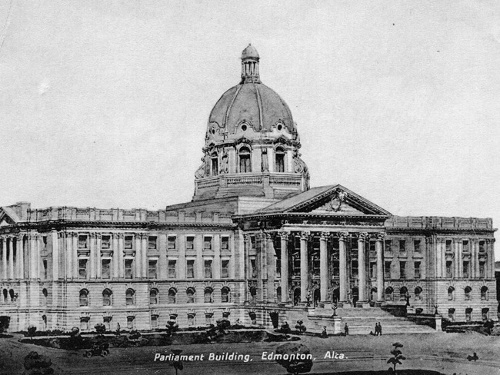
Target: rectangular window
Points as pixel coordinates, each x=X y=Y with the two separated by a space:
x=152 y=269
x=171 y=269
x=372 y=247
x=45 y=269
x=82 y=242
x=465 y=268
x=82 y=268
x=152 y=242
x=448 y=246
x=224 y=243
x=449 y=272
x=416 y=246
x=44 y=242
x=208 y=269
x=373 y=270
x=468 y=315
x=190 y=320
x=129 y=267
x=316 y=265
x=254 y=268
x=190 y=269
x=189 y=243
x=465 y=246
x=225 y=269
x=280 y=162
x=130 y=322
x=296 y=264
x=84 y=325
x=387 y=270
x=481 y=269
x=354 y=268
x=106 y=268
x=106 y=242
x=402 y=270
x=482 y=248
x=402 y=246
x=207 y=243
x=171 y=243
x=209 y=319
x=388 y=245
x=154 y=321
x=129 y=242
x=417 y=270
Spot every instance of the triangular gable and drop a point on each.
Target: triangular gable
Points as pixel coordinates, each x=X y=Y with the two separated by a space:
x=7 y=216
x=332 y=199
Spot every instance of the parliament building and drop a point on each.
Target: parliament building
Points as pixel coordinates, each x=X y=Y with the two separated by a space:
x=254 y=239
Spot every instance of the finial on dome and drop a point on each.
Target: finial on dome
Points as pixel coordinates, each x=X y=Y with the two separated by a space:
x=250 y=65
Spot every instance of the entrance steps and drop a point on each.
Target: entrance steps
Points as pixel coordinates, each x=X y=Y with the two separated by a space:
x=359 y=320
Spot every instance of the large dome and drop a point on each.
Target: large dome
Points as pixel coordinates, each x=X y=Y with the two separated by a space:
x=254 y=103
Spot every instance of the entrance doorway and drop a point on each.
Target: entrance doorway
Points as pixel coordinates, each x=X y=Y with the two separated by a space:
x=336 y=295
x=296 y=296
x=355 y=295
x=316 y=297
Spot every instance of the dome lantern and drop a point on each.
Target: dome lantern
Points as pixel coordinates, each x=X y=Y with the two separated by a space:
x=250 y=65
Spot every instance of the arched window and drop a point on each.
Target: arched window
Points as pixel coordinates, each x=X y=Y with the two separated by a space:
x=280 y=160
x=278 y=294
x=484 y=313
x=403 y=291
x=172 y=293
x=214 y=164
x=244 y=156
x=130 y=297
x=389 y=291
x=451 y=293
x=451 y=314
x=468 y=314
x=153 y=296
x=190 y=295
x=45 y=295
x=484 y=293
x=253 y=293
x=224 y=294
x=106 y=297
x=5 y=296
x=12 y=295
x=84 y=297
x=467 y=292
x=209 y=295
x=418 y=293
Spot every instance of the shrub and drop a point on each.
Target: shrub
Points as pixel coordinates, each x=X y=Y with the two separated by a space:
x=295 y=366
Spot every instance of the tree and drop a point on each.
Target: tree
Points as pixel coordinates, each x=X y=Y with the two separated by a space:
x=300 y=326
x=4 y=323
x=100 y=328
x=298 y=359
x=172 y=327
x=397 y=356
x=35 y=363
x=31 y=331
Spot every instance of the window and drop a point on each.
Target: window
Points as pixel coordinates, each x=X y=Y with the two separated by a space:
x=387 y=270
x=45 y=295
x=417 y=270
x=172 y=294
x=215 y=164
x=129 y=242
x=191 y=320
x=153 y=296
x=402 y=246
x=208 y=269
x=106 y=297
x=190 y=269
x=45 y=264
x=84 y=324
x=373 y=270
x=389 y=293
x=44 y=242
x=130 y=297
x=402 y=270
x=106 y=242
x=484 y=293
x=171 y=269
x=372 y=247
x=254 y=268
x=481 y=269
x=106 y=268
x=207 y=243
x=82 y=268
x=189 y=243
x=84 y=297
x=484 y=314
x=388 y=245
x=224 y=294
x=449 y=271
x=468 y=314
x=465 y=246
x=465 y=269
x=467 y=292
x=129 y=268
x=354 y=267
x=403 y=292
x=209 y=318
x=130 y=322
x=152 y=242
x=418 y=293
x=154 y=321
x=416 y=246
x=280 y=160
x=451 y=293
x=224 y=243
x=482 y=248
x=244 y=155
x=451 y=314
x=171 y=243
x=209 y=295
x=107 y=322
x=190 y=295
x=448 y=246
x=225 y=269
x=153 y=269
x=82 y=242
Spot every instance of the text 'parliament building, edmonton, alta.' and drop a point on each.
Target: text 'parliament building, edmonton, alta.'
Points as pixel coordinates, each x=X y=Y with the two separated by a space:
x=255 y=245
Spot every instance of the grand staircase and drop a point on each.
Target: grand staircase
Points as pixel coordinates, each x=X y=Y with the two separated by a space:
x=359 y=320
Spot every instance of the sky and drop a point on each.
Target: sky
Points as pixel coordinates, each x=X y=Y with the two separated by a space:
x=105 y=103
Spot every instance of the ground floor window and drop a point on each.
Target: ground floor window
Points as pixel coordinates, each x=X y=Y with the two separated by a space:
x=154 y=321
x=130 y=322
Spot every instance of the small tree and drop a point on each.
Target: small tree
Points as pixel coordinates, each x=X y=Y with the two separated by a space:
x=397 y=356
x=295 y=366
x=31 y=331
x=172 y=327
x=300 y=326
x=35 y=363
x=177 y=364
x=100 y=328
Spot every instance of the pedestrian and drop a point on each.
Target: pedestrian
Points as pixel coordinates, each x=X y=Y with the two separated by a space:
x=376 y=329
x=346 y=329
x=379 y=329
x=324 y=334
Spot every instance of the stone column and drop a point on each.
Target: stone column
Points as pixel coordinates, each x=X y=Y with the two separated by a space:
x=98 y=261
x=284 y=266
x=490 y=250
x=32 y=257
x=55 y=255
x=20 y=256
x=74 y=236
x=121 y=245
x=69 y=255
x=456 y=258
x=144 y=255
x=4 y=258
x=439 y=257
x=343 y=236
x=361 y=266
x=304 y=269
x=114 y=244
x=460 y=258
x=271 y=267
x=138 y=257
x=323 y=265
x=380 y=267
x=259 y=249
x=11 y=258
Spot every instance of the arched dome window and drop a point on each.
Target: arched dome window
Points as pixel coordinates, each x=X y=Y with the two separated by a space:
x=245 y=160
x=280 y=160
x=153 y=296
x=484 y=293
x=418 y=293
x=106 y=297
x=172 y=294
x=451 y=293
x=467 y=292
x=190 y=295
x=130 y=297
x=84 y=297
x=209 y=295
x=389 y=293
x=403 y=291
x=214 y=164
x=45 y=295
x=224 y=294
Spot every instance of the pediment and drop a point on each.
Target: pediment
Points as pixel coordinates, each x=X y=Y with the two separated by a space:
x=7 y=217
x=331 y=200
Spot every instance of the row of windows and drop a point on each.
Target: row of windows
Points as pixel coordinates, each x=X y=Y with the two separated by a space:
x=402 y=245
x=465 y=246
x=154 y=296
x=83 y=242
x=403 y=293
x=466 y=269
x=468 y=293
x=468 y=314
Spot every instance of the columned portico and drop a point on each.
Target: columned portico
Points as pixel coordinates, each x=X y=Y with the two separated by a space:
x=380 y=267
